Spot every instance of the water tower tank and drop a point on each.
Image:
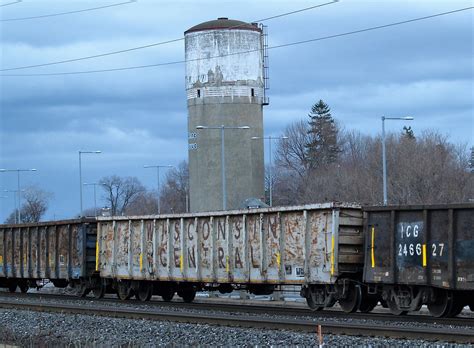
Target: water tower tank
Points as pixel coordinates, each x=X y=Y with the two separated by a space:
x=224 y=87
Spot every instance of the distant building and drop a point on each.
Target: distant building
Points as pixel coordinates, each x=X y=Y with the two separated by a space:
x=225 y=88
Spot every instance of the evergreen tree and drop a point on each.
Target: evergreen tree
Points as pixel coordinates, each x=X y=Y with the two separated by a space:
x=322 y=147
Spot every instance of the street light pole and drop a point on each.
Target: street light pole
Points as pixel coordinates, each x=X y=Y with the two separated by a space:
x=95 y=199
x=223 y=178
x=384 y=157
x=157 y=166
x=18 y=185
x=80 y=175
x=384 y=163
x=270 y=138
x=19 y=195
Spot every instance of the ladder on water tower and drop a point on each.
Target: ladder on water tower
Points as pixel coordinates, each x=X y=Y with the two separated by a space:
x=266 y=80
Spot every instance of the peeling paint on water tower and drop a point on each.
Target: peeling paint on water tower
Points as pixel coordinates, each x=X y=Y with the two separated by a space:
x=225 y=86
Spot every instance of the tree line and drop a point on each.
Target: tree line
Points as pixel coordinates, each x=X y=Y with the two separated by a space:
x=321 y=161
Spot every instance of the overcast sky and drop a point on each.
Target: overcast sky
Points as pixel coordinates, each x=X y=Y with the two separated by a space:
x=423 y=69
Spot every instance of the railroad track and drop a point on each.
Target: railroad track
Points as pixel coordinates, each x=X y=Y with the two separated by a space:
x=242 y=306
x=382 y=329
x=226 y=319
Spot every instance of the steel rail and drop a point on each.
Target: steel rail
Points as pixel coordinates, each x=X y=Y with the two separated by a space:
x=245 y=307
x=356 y=329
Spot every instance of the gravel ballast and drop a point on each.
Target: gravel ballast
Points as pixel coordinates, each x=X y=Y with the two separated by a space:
x=29 y=328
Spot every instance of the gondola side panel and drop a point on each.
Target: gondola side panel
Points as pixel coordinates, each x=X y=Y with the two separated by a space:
x=294 y=230
x=463 y=220
x=2 y=253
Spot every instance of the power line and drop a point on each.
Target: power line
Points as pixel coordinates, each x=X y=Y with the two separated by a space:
x=372 y=28
x=162 y=42
x=250 y=51
x=66 y=13
x=11 y=3
x=292 y=12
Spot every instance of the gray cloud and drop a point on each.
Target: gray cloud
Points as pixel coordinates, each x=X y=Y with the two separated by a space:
x=137 y=117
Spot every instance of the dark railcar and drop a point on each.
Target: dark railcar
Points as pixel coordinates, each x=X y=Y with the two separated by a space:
x=61 y=251
x=417 y=255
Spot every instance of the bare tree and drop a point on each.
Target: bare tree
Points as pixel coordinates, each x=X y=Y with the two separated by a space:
x=145 y=203
x=174 y=194
x=35 y=205
x=428 y=169
x=120 y=192
x=12 y=218
x=287 y=187
x=291 y=153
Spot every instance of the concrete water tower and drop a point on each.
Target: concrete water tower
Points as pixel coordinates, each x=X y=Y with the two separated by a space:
x=225 y=86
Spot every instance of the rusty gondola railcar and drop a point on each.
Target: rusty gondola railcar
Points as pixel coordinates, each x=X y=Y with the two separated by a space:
x=61 y=251
x=418 y=255
x=318 y=246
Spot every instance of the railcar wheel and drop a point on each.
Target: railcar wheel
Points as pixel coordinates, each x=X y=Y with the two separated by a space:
x=99 y=291
x=168 y=296
x=144 y=292
x=351 y=302
x=367 y=305
x=23 y=287
x=12 y=287
x=82 y=289
x=312 y=305
x=322 y=297
x=311 y=300
x=188 y=295
x=443 y=304
x=166 y=291
x=368 y=301
x=394 y=309
x=456 y=308
x=124 y=291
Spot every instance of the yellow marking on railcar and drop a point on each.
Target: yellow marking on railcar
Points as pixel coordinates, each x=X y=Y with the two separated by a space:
x=278 y=256
x=227 y=266
x=97 y=255
x=181 y=263
x=372 y=252
x=424 y=255
x=141 y=262
x=332 y=255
